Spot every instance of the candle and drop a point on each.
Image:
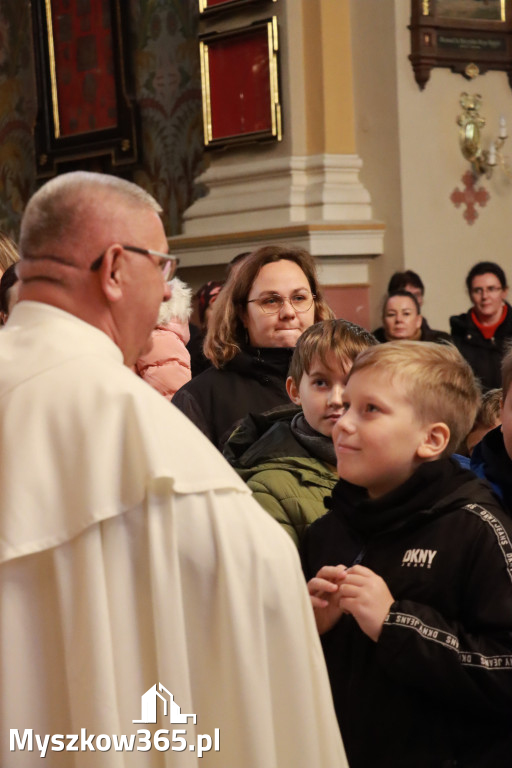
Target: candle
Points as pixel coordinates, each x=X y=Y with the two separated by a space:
x=503 y=127
x=491 y=157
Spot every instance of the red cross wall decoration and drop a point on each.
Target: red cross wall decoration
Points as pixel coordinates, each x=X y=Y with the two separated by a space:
x=470 y=197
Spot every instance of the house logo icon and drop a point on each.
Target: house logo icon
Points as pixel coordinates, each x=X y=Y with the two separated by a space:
x=149 y=702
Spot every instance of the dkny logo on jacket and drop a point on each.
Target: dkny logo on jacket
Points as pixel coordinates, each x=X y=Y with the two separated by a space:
x=419 y=557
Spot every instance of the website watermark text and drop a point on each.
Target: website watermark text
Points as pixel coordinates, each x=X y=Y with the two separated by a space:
x=143 y=740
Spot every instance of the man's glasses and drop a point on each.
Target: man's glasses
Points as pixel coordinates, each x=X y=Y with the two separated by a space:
x=492 y=290
x=273 y=303
x=167 y=264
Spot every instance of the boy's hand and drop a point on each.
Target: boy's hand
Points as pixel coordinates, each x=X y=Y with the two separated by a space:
x=324 y=592
x=366 y=596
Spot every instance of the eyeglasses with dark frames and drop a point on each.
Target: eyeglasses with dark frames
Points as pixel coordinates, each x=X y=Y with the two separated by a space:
x=274 y=302
x=167 y=264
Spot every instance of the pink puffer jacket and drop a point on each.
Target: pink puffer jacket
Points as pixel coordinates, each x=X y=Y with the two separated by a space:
x=167 y=365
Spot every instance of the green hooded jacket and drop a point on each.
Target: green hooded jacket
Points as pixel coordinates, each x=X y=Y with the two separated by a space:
x=288 y=482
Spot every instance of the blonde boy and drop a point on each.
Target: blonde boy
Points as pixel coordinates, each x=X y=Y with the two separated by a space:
x=410 y=573
x=286 y=456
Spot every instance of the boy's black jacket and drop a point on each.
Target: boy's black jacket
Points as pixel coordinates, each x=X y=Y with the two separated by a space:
x=436 y=689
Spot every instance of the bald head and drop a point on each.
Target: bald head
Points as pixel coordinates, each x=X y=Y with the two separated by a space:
x=81 y=219
x=71 y=212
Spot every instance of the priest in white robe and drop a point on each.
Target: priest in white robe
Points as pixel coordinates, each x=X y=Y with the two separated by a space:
x=148 y=606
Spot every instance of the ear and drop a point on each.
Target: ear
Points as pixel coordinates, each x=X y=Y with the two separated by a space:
x=111 y=273
x=419 y=320
x=293 y=392
x=435 y=440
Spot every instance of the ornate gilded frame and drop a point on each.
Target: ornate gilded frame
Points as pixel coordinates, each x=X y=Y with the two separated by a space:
x=103 y=134
x=469 y=38
x=207 y=7
x=240 y=85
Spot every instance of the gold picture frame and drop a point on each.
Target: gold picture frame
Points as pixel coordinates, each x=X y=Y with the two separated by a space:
x=240 y=85
x=468 y=36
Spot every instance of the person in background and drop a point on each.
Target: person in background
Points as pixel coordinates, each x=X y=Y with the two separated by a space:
x=492 y=456
x=166 y=365
x=205 y=298
x=412 y=282
x=131 y=554
x=9 y=288
x=265 y=305
x=286 y=456
x=408 y=281
x=481 y=333
x=401 y=319
x=236 y=261
x=410 y=570
x=8 y=252
x=487 y=418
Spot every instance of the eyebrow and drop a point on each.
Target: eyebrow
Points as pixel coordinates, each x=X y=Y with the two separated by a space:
x=276 y=293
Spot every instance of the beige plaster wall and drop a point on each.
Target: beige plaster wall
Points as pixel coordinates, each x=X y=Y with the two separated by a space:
x=315 y=64
x=327 y=62
x=377 y=133
x=408 y=141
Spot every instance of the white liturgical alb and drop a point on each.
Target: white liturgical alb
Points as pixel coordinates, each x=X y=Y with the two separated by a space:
x=139 y=580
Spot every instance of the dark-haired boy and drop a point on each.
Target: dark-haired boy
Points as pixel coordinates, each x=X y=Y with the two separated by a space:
x=410 y=573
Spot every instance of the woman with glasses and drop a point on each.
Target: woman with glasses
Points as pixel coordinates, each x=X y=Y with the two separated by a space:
x=265 y=305
x=481 y=333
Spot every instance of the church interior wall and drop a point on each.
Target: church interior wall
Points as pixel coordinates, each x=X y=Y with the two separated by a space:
x=406 y=138
x=408 y=141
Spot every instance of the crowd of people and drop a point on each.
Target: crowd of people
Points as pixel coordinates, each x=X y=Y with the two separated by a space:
x=369 y=623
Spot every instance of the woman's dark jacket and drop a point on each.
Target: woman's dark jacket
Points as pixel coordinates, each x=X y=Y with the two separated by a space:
x=427 y=334
x=252 y=382
x=436 y=688
x=483 y=355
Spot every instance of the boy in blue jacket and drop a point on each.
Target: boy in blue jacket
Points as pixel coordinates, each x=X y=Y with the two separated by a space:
x=492 y=456
x=410 y=573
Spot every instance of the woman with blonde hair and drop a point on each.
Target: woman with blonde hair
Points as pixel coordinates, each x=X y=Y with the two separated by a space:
x=265 y=305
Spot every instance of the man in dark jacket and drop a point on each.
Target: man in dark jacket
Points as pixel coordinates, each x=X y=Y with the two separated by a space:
x=410 y=573
x=481 y=333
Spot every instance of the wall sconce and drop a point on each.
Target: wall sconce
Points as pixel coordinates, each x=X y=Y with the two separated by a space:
x=470 y=122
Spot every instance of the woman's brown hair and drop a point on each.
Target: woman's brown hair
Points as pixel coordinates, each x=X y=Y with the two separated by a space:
x=226 y=332
x=8 y=252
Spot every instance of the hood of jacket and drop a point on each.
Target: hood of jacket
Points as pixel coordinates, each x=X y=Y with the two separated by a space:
x=264 y=442
x=435 y=488
x=264 y=436
x=179 y=306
